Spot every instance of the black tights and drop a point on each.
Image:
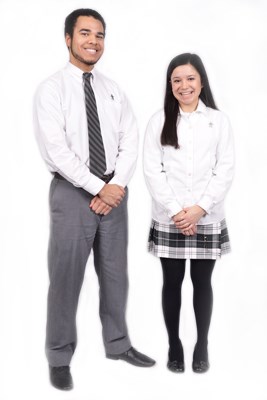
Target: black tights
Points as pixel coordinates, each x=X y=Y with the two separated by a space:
x=173 y=275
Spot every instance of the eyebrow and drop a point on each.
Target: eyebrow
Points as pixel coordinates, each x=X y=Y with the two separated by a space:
x=187 y=76
x=89 y=30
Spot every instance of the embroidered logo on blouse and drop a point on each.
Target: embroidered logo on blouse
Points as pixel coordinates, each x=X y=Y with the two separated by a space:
x=112 y=97
x=210 y=125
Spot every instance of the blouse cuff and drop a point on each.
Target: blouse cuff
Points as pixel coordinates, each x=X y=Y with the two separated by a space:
x=173 y=209
x=206 y=203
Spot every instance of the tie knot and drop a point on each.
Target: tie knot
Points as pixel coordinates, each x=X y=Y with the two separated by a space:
x=87 y=75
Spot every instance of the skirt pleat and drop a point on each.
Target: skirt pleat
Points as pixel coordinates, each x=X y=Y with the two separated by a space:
x=210 y=242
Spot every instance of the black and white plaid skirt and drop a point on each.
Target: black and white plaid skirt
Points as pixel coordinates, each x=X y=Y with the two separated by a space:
x=210 y=242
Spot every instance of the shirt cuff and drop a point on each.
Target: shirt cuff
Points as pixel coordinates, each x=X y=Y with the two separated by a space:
x=94 y=185
x=116 y=181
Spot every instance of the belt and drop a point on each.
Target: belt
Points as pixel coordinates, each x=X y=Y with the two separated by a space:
x=105 y=178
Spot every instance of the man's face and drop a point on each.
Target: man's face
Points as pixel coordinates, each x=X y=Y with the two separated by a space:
x=87 y=44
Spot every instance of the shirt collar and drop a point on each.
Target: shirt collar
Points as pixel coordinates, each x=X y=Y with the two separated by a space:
x=201 y=108
x=77 y=72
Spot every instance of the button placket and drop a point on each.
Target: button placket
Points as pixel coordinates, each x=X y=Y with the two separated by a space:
x=190 y=157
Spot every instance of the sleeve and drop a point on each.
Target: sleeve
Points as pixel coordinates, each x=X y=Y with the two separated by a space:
x=223 y=172
x=50 y=132
x=155 y=176
x=128 y=146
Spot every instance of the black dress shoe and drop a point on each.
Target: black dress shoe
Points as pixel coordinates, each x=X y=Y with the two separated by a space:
x=200 y=366
x=176 y=366
x=133 y=357
x=60 y=377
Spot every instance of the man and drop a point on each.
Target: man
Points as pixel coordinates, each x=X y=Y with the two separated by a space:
x=87 y=136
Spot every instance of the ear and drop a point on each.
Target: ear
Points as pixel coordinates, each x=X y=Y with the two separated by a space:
x=68 y=40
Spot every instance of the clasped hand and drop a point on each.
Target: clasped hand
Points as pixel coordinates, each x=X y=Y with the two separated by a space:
x=187 y=219
x=109 y=196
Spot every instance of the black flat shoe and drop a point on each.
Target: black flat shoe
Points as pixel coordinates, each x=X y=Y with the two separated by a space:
x=176 y=366
x=176 y=354
x=200 y=363
x=200 y=367
x=60 y=377
x=133 y=357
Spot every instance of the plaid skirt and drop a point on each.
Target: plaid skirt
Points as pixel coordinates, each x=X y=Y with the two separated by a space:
x=210 y=242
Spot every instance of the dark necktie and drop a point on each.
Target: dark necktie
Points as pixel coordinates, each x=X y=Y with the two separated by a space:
x=96 y=148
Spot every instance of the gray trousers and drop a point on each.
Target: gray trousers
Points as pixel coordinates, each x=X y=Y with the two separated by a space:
x=74 y=231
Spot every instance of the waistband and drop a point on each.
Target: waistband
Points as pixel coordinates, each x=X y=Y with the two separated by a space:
x=105 y=178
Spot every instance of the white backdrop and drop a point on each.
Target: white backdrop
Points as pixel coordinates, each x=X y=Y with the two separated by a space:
x=142 y=37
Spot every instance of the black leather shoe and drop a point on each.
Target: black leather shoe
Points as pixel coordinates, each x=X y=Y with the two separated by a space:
x=200 y=366
x=133 y=357
x=176 y=366
x=60 y=377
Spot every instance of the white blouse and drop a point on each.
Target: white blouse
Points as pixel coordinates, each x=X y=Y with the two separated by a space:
x=199 y=172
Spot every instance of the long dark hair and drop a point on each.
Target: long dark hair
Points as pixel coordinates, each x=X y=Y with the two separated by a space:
x=171 y=105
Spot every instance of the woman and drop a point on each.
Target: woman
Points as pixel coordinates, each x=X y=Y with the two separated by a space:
x=188 y=166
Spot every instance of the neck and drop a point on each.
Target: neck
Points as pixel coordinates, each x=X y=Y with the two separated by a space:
x=189 y=108
x=84 y=67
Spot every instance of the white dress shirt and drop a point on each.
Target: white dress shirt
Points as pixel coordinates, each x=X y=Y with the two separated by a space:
x=60 y=125
x=199 y=172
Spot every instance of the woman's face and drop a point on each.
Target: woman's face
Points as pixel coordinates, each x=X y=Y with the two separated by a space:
x=186 y=86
